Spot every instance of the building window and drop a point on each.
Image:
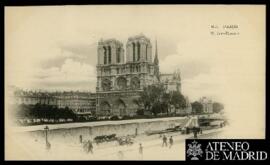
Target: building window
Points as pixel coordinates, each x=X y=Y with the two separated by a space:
x=105 y=55
x=118 y=55
x=106 y=85
x=135 y=83
x=121 y=83
x=146 y=52
x=110 y=54
x=139 y=51
x=117 y=70
x=133 y=44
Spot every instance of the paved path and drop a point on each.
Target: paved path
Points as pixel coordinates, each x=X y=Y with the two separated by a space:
x=152 y=149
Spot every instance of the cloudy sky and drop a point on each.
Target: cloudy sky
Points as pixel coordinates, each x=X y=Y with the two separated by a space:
x=56 y=47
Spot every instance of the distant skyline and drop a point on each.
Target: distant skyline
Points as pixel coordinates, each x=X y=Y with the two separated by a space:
x=55 y=48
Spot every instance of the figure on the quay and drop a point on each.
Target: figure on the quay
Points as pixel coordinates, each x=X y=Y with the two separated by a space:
x=195 y=132
x=90 y=147
x=81 y=140
x=164 y=139
x=141 y=150
x=171 y=142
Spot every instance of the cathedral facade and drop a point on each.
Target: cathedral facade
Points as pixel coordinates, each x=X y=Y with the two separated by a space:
x=123 y=73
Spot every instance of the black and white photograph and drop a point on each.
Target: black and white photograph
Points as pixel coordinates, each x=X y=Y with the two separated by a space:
x=131 y=82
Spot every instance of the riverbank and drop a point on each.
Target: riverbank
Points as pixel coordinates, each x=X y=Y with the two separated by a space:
x=89 y=124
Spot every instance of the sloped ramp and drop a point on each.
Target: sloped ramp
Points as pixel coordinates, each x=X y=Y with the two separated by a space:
x=192 y=122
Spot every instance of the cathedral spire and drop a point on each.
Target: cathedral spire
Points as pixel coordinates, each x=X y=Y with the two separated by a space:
x=156 y=55
x=156 y=63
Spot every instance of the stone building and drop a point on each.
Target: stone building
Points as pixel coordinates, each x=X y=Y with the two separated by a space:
x=207 y=105
x=81 y=103
x=122 y=75
x=33 y=97
x=172 y=81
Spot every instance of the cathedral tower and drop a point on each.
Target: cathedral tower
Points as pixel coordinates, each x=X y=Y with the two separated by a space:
x=110 y=57
x=139 y=49
x=110 y=52
x=156 y=64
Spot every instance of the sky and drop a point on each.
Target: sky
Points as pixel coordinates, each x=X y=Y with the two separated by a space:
x=55 y=48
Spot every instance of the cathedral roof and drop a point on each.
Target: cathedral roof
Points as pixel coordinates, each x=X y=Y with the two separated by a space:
x=138 y=37
x=110 y=40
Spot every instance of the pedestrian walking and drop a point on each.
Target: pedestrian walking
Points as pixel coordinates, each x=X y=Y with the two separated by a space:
x=80 y=138
x=187 y=130
x=90 y=147
x=171 y=141
x=164 y=139
x=141 y=150
x=195 y=132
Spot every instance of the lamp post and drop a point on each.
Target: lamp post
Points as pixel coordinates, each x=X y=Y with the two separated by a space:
x=46 y=137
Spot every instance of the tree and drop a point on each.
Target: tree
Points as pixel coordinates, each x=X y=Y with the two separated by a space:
x=165 y=101
x=178 y=100
x=44 y=111
x=197 y=107
x=156 y=108
x=156 y=100
x=23 y=111
x=151 y=97
x=217 y=107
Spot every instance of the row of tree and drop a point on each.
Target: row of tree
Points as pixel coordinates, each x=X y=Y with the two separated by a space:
x=39 y=111
x=197 y=107
x=156 y=99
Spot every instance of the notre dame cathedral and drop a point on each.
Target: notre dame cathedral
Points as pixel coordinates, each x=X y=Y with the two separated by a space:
x=123 y=73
